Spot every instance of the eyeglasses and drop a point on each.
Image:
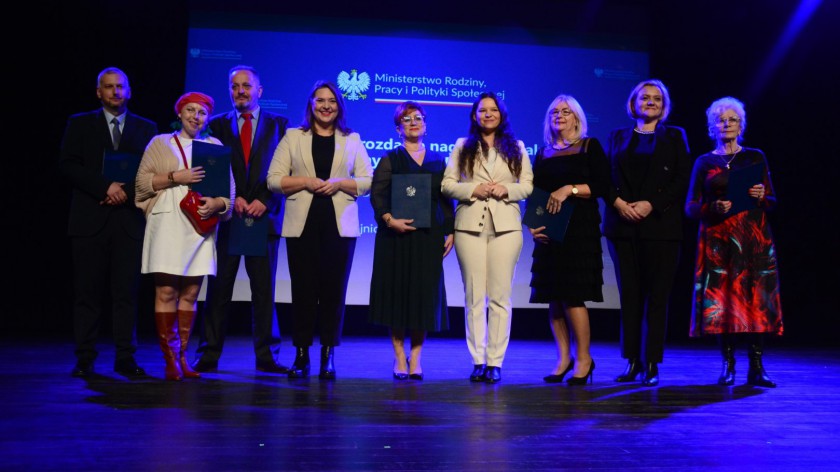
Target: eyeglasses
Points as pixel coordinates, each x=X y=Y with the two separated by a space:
x=725 y=121
x=563 y=112
x=412 y=119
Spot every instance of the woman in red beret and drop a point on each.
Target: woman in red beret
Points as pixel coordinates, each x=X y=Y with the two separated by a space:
x=177 y=255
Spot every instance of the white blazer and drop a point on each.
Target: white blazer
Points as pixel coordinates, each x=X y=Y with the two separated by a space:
x=293 y=157
x=470 y=213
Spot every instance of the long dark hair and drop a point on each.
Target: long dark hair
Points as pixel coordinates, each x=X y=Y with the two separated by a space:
x=309 y=114
x=504 y=142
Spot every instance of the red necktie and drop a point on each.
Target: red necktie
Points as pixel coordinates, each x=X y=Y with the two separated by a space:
x=245 y=136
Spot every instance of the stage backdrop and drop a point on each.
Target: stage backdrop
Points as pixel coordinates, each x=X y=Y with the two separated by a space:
x=442 y=71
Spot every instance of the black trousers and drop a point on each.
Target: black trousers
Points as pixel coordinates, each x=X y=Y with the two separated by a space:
x=645 y=270
x=106 y=264
x=262 y=272
x=319 y=268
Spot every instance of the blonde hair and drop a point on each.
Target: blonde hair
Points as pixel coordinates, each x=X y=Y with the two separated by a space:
x=581 y=127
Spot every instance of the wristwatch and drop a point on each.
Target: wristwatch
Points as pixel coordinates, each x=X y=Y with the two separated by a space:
x=574 y=190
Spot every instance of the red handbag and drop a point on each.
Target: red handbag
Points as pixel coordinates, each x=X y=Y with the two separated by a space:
x=190 y=203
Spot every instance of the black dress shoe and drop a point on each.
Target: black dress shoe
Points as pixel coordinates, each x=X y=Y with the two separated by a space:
x=272 y=367
x=300 y=366
x=327 y=370
x=202 y=365
x=651 y=378
x=493 y=375
x=634 y=369
x=478 y=373
x=82 y=369
x=552 y=378
x=129 y=368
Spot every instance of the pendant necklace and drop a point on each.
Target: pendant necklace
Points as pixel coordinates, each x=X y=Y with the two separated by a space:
x=726 y=161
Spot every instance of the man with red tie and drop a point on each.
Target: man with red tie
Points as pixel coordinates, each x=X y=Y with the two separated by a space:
x=254 y=231
x=105 y=228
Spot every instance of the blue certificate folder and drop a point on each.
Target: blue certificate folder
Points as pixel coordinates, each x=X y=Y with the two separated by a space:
x=248 y=236
x=411 y=198
x=216 y=163
x=740 y=182
x=120 y=166
x=537 y=215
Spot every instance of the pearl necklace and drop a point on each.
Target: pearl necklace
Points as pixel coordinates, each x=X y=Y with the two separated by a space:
x=637 y=130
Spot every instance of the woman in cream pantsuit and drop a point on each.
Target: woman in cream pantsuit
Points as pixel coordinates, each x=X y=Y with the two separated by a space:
x=322 y=168
x=488 y=172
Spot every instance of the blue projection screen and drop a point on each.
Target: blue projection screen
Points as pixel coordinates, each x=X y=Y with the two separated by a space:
x=443 y=74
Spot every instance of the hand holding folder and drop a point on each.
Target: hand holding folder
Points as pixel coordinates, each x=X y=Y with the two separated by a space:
x=536 y=215
x=215 y=160
x=740 y=182
x=411 y=198
x=120 y=166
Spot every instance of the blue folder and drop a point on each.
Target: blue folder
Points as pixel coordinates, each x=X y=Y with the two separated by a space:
x=248 y=236
x=120 y=166
x=740 y=182
x=537 y=215
x=216 y=163
x=411 y=198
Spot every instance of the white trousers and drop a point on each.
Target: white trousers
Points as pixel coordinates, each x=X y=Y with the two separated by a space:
x=488 y=260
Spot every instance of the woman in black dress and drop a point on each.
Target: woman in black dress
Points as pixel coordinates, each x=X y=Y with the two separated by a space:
x=649 y=168
x=736 y=281
x=573 y=169
x=407 y=290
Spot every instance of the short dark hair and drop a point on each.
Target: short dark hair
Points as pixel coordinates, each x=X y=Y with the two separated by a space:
x=405 y=108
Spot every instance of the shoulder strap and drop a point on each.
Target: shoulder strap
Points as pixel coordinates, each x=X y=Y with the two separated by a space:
x=183 y=156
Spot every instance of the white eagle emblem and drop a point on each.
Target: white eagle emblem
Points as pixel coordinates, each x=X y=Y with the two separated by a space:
x=353 y=84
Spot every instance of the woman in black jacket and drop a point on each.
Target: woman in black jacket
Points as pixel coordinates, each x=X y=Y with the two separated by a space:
x=650 y=170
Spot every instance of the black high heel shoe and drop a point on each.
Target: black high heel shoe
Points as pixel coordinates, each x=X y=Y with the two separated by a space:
x=327 y=371
x=583 y=380
x=300 y=367
x=400 y=375
x=553 y=379
x=416 y=376
x=634 y=369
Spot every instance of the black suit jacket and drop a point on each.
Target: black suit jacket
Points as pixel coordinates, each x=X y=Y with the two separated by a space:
x=665 y=185
x=251 y=181
x=86 y=138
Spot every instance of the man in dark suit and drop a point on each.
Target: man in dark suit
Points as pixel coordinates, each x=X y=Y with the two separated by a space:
x=105 y=227
x=253 y=232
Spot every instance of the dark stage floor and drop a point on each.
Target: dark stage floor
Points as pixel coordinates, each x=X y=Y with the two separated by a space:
x=240 y=419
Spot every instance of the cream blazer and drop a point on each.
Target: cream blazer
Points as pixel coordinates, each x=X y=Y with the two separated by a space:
x=470 y=213
x=293 y=157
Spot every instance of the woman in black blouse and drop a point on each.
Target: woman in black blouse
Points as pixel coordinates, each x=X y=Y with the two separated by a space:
x=650 y=168
x=322 y=167
x=574 y=170
x=407 y=290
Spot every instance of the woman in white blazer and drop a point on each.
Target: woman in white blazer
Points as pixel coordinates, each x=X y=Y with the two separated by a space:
x=322 y=168
x=488 y=173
